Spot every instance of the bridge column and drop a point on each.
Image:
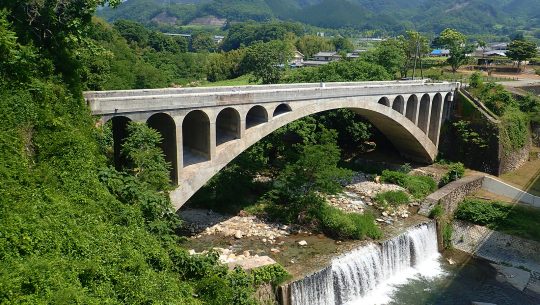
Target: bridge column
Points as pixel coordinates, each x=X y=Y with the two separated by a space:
x=424 y=112
x=179 y=145
x=429 y=114
x=435 y=118
x=213 y=141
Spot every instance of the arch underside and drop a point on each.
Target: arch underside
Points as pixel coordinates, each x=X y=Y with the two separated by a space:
x=410 y=140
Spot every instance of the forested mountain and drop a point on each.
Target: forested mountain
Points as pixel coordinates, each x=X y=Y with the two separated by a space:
x=390 y=16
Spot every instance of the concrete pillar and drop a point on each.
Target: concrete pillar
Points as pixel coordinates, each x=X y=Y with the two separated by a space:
x=179 y=146
x=242 y=126
x=431 y=96
x=435 y=117
x=424 y=111
x=213 y=143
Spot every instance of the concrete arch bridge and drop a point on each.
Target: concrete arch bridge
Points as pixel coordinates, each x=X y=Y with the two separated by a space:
x=204 y=129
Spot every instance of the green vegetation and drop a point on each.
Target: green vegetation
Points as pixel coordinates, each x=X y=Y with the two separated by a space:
x=455 y=172
x=511 y=219
x=392 y=198
x=73 y=229
x=273 y=274
x=418 y=186
x=514 y=115
x=487 y=19
x=447 y=233
x=455 y=42
x=437 y=212
x=342 y=225
x=521 y=50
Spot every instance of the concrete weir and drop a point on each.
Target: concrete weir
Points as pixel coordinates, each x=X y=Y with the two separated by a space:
x=206 y=128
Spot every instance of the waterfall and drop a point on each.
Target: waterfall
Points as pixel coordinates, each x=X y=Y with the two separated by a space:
x=354 y=274
x=315 y=289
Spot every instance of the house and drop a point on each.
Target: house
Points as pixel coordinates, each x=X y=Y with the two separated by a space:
x=498 y=46
x=440 y=53
x=297 y=60
x=495 y=53
x=326 y=56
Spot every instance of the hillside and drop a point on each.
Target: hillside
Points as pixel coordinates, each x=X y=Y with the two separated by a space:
x=471 y=17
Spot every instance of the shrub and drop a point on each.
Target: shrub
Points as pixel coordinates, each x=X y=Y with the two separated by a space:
x=274 y=274
x=437 y=212
x=455 y=172
x=418 y=186
x=342 y=225
x=481 y=212
x=393 y=198
x=476 y=80
x=394 y=177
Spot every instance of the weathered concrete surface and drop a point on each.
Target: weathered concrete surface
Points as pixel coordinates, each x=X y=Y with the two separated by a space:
x=207 y=138
x=518 y=278
x=451 y=194
x=496 y=246
x=498 y=187
x=252 y=262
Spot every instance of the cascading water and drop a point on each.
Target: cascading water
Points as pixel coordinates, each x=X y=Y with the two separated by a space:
x=355 y=274
x=315 y=289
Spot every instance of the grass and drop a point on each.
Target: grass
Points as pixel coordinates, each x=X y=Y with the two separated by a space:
x=418 y=186
x=511 y=219
x=392 y=198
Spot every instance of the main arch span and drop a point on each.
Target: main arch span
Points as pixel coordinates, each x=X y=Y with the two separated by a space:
x=206 y=128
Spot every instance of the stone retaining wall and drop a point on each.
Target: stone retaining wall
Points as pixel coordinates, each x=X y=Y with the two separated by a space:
x=511 y=161
x=451 y=194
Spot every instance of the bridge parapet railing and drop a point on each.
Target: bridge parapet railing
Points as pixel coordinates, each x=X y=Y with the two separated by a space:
x=112 y=102
x=247 y=88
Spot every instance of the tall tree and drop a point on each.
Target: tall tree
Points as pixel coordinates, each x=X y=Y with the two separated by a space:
x=521 y=50
x=57 y=27
x=456 y=43
x=415 y=45
x=310 y=45
x=266 y=61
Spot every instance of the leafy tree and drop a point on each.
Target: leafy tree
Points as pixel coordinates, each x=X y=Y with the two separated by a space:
x=223 y=66
x=203 y=42
x=146 y=159
x=521 y=50
x=455 y=42
x=339 y=71
x=58 y=27
x=342 y=44
x=162 y=43
x=266 y=61
x=390 y=55
x=310 y=45
x=414 y=45
x=316 y=169
x=133 y=32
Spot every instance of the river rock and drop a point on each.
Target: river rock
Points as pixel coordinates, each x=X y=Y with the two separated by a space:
x=238 y=234
x=274 y=250
x=302 y=243
x=246 y=253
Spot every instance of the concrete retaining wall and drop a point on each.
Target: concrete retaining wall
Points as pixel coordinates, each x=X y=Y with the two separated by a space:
x=498 y=187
